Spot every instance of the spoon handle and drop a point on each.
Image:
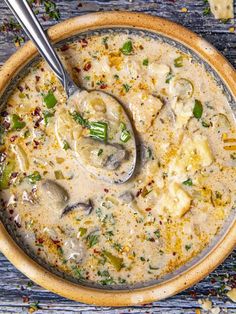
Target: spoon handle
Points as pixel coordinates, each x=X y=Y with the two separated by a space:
x=26 y=17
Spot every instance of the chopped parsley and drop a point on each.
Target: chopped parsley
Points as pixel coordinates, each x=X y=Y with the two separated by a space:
x=198 y=109
x=188 y=182
x=127 y=48
x=145 y=62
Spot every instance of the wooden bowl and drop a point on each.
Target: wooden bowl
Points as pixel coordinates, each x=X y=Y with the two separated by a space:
x=223 y=243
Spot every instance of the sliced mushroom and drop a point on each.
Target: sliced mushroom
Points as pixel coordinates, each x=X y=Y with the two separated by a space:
x=87 y=207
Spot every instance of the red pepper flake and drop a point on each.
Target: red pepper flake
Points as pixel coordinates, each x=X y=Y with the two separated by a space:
x=193 y=294
x=84 y=42
x=36 y=125
x=6 y=125
x=148 y=209
x=64 y=47
x=36 y=144
x=55 y=241
x=103 y=86
x=37 y=78
x=151 y=182
x=20 y=88
x=96 y=251
x=174 y=253
x=77 y=69
x=160 y=222
x=151 y=239
x=25 y=299
x=106 y=190
x=36 y=111
x=13 y=138
x=40 y=240
x=14 y=175
x=87 y=66
x=139 y=192
x=11 y=211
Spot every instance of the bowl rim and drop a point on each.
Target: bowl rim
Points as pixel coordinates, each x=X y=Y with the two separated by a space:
x=226 y=244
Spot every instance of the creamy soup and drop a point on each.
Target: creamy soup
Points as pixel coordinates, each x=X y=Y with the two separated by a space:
x=184 y=184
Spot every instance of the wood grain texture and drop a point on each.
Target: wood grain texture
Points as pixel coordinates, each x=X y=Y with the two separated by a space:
x=13 y=284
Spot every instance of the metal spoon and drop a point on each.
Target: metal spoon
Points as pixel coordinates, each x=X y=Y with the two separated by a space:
x=32 y=27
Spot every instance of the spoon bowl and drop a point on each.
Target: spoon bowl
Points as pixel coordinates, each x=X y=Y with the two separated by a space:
x=111 y=152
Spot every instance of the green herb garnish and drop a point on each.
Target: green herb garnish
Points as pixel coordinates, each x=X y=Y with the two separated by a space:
x=126 y=87
x=47 y=115
x=145 y=62
x=188 y=247
x=188 y=182
x=34 y=177
x=127 y=48
x=169 y=77
x=50 y=100
x=79 y=119
x=206 y=124
x=66 y=145
x=92 y=239
x=82 y=231
x=100 y=152
x=206 y=11
x=178 y=62
x=17 y=123
x=198 y=109
x=157 y=233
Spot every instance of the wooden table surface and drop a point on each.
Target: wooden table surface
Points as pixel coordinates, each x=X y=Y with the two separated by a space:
x=16 y=291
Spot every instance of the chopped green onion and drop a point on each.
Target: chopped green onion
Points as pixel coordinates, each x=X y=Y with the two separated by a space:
x=178 y=62
x=198 y=109
x=82 y=231
x=79 y=119
x=87 y=78
x=17 y=123
x=34 y=177
x=6 y=172
x=145 y=62
x=59 y=175
x=50 y=100
x=114 y=260
x=66 y=145
x=125 y=134
x=188 y=182
x=127 y=48
x=98 y=130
